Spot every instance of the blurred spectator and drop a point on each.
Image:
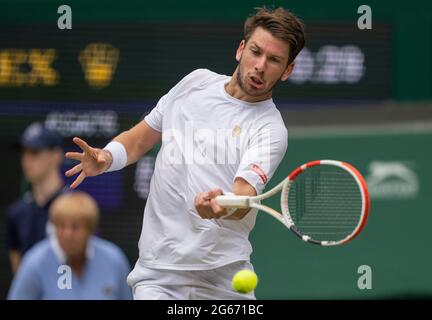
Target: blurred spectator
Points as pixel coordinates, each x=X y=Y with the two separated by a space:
x=73 y=263
x=26 y=219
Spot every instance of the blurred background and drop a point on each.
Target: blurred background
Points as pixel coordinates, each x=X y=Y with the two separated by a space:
x=362 y=96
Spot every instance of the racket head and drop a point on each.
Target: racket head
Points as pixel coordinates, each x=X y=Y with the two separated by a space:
x=325 y=202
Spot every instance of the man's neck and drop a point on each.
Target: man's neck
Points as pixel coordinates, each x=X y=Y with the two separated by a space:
x=45 y=189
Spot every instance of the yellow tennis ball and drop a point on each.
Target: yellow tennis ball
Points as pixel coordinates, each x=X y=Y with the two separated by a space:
x=244 y=281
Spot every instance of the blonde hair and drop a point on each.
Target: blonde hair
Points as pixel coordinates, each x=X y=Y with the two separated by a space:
x=79 y=204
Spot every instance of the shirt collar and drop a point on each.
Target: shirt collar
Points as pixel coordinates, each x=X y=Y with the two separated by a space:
x=263 y=103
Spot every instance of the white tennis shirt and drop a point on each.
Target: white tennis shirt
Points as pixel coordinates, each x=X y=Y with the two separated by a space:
x=208 y=139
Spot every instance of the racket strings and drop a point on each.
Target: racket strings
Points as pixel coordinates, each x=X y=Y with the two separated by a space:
x=325 y=203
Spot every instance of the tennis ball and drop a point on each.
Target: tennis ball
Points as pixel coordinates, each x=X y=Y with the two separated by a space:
x=244 y=281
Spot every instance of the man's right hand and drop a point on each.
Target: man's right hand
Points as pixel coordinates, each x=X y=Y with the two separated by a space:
x=93 y=161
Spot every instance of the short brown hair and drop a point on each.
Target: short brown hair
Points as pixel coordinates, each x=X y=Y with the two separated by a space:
x=78 y=204
x=282 y=24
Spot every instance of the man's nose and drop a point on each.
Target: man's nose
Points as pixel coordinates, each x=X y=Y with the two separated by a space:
x=260 y=64
x=67 y=232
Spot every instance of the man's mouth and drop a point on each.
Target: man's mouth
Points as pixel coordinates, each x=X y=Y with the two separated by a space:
x=256 y=82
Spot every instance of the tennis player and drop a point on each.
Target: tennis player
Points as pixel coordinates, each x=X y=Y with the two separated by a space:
x=218 y=135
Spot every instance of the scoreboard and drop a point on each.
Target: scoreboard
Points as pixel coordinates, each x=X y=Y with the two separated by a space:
x=141 y=62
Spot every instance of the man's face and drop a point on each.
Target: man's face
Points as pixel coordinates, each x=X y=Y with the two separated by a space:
x=37 y=164
x=262 y=62
x=72 y=233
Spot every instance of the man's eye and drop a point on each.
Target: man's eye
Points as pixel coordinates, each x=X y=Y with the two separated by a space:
x=255 y=52
x=275 y=60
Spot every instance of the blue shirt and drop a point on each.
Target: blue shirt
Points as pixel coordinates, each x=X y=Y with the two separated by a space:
x=26 y=222
x=41 y=274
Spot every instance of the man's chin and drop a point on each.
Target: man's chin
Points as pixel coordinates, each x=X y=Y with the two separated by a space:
x=253 y=92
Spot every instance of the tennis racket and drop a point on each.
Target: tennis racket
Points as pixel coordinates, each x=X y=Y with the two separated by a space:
x=324 y=202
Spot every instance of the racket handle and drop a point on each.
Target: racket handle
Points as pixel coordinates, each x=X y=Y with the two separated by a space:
x=233 y=201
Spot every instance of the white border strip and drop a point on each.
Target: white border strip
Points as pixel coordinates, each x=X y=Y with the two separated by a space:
x=311 y=132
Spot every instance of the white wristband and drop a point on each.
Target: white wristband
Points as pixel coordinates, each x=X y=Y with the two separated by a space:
x=119 y=156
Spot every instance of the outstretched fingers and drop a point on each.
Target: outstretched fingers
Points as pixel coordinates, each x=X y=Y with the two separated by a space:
x=82 y=144
x=78 y=180
x=74 y=155
x=74 y=170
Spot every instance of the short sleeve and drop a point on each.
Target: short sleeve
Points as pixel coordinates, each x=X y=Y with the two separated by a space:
x=265 y=151
x=155 y=118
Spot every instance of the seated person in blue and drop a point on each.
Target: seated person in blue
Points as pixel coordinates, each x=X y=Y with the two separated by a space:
x=26 y=218
x=72 y=263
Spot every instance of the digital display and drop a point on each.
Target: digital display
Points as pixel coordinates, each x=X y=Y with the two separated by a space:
x=135 y=63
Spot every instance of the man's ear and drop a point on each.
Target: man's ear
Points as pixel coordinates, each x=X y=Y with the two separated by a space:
x=240 y=50
x=288 y=71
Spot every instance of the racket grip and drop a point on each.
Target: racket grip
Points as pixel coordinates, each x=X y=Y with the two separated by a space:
x=233 y=201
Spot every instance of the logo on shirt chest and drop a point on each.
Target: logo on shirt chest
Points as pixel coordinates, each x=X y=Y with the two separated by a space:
x=236 y=131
